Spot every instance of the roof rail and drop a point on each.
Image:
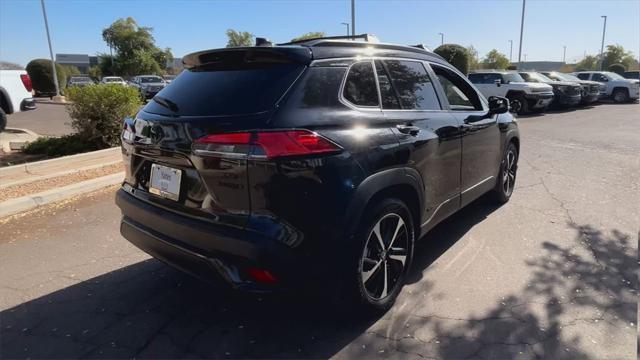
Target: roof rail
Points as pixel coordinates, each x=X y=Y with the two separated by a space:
x=365 y=37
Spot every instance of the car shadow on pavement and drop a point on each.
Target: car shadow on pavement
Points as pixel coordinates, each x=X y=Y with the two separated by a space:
x=575 y=294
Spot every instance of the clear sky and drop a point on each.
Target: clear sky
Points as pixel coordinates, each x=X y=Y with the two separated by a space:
x=191 y=25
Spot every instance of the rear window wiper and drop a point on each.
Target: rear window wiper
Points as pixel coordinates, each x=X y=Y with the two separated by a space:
x=166 y=103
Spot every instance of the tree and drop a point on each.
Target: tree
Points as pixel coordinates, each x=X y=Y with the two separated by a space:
x=136 y=52
x=95 y=72
x=473 y=58
x=239 y=38
x=40 y=72
x=71 y=70
x=616 y=54
x=456 y=55
x=589 y=62
x=495 y=60
x=309 y=35
x=617 y=68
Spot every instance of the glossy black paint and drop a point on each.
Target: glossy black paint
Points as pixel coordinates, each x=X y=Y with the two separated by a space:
x=288 y=213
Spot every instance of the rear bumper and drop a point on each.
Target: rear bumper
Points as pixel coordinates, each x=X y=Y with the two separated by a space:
x=28 y=104
x=202 y=249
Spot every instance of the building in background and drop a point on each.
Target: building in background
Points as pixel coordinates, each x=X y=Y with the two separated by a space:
x=81 y=61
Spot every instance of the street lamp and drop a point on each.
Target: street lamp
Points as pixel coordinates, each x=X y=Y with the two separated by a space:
x=604 y=28
x=353 y=17
x=347 y=25
x=564 y=53
x=53 y=63
x=524 y=2
x=441 y=38
x=510 y=50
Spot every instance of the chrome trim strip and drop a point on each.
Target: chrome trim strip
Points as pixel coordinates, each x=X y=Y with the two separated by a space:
x=220 y=153
x=437 y=209
x=478 y=184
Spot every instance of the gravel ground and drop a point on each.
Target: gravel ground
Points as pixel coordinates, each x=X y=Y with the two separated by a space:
x=15 y=191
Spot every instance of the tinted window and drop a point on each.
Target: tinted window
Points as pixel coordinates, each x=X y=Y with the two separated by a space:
x=600 y=78
x=360 y=86
x=487 y=78
x=412 y=84
x=583 y=76
x=227 y=92
x=387 y=92
x=460 y=94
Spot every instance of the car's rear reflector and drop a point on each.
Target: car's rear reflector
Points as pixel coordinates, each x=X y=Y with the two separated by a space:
x=26 y=81
x=262 y=275
x=277 y=143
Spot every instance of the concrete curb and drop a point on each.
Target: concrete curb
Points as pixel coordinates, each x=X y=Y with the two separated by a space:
x=57 y=174
x=28 y=202
x=32 y=166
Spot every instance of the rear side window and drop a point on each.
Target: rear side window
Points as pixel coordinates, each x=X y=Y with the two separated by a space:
x=219 y=92
x=360 y=86
x=412 y=85
x=390 y=99
x=583 y=76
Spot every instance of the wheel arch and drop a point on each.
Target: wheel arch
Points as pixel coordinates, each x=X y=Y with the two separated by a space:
x=404 y=184
x=5 y=102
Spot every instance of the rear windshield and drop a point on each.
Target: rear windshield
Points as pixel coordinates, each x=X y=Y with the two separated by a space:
x=214 y=92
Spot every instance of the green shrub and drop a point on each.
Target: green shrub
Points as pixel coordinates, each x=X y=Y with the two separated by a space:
x=617 y=68
x=71 y=70
x=456 y=55
x=66 y=145
x=97 y=111
x=40 y=72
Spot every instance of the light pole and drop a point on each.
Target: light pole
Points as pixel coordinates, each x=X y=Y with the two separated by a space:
x=604 y=28
x=510 y=50
x=353 y=17
x=53 y=63
x=347 y=25
x=441 y=38
x=525 y=57
x=524 y=2
x=564 y=54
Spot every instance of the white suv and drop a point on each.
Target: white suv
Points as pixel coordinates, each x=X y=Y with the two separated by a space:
x=523 y=96
x=616 y=87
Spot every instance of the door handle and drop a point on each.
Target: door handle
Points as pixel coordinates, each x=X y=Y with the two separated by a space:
x=408 y=129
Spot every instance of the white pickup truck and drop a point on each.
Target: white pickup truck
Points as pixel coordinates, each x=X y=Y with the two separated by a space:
x=15 y=94
x=616 y=87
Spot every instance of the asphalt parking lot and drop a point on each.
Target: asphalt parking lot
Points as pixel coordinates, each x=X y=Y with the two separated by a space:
x=46 y=119
x=551 y=274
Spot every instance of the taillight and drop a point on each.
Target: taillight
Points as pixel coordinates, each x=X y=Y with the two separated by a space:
x=262 y=275
x=26 y=81
x=273 y=143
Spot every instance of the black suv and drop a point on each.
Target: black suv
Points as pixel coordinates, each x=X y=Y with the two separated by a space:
x=316 y=163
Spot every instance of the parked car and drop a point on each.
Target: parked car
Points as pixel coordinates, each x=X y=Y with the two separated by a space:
x=634 y=75
x=318 y=163
x=524 y=96
x=168 y=78
x=565 y=93
x=16 y=94
x=113 y=80
x=148 y=85
x=79 y=81
x=617 y=88
x=590 y=89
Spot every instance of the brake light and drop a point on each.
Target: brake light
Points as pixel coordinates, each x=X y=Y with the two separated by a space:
x=26 y=81
x=277 y=143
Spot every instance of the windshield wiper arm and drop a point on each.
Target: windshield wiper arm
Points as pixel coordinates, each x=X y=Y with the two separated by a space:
x=166 y=103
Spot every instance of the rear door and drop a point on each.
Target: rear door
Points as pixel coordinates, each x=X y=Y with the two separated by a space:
x=428 y=134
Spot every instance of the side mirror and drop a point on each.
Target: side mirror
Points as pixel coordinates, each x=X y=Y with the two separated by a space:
x=498 y=105
x=498 y=82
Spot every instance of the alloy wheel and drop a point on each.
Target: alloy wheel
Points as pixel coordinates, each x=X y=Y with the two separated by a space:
x=384 y=258
x=509 y=173
x=515 y=105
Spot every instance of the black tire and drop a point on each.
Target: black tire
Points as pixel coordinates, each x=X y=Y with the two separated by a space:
x=519 y=104
x=507 y=177
x=3 y=120
x=369 y=263
x=620 y=96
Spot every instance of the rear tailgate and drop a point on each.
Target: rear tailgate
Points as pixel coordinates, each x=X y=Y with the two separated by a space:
x=220 y=92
